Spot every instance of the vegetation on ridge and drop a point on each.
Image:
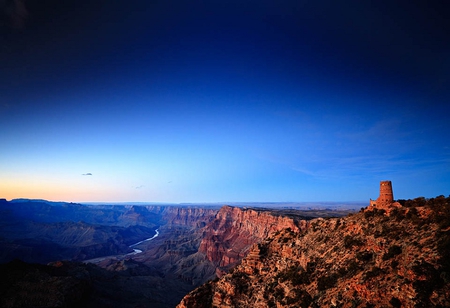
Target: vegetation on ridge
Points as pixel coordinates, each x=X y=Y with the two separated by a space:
x=399 y=258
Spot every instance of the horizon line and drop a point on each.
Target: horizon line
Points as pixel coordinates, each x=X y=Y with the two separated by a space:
x=190 y=202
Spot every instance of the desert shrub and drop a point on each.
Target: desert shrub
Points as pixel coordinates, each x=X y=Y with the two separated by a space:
x=392 y=252
x=398 y=214
x=296 y=274
x=424 y=288
x=263 y=249
x=338 y=224
x=356 y=301
x=271 y=304
x=420 y=201
x=205 y=293
x=241 y=281
x=402 y=202
x=373 y=213
x=364 y=256
x=311 y=267
x=302 y=298
x=290 y=300
x=437 y=202
x=326 y=282
x=412 y=214
x=270 y=288
x=369 y=214
x=432 y=275
x=441 y=211
x=391 y=231
x=444 y=250
x=272 y=285
x=279 y=294
x=395 y=302
x=394 y=264
x=350 y=241
x=352 y=268
x=374 y=272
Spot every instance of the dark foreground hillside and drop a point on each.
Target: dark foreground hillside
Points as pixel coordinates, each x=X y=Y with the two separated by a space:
x=395 y=257
x=70 y=284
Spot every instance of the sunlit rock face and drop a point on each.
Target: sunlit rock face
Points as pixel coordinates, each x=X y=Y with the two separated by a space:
x=228 y=238
x=369 y=259
x=195 y=217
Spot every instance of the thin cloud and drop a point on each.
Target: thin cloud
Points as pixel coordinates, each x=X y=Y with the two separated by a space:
x=87 y=173
x=139 y=187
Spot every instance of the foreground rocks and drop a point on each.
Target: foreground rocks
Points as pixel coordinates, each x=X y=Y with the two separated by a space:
x=369 y=259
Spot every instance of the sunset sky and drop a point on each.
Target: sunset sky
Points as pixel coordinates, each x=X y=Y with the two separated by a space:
x=215 y=101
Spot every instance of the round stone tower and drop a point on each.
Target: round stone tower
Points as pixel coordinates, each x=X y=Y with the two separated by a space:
x=386 y=195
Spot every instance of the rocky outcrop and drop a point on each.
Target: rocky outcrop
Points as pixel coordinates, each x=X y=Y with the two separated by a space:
x=195 y=217
x=368 y=259
x=228 y=238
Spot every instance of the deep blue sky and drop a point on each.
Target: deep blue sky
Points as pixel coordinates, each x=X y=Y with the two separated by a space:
x=199 y=101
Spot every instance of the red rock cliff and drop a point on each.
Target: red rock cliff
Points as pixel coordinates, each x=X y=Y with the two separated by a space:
x=228 y=238
x=368 y=259
x=189 y=216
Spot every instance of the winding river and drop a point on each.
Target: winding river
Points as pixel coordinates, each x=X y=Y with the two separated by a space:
x=136 y=251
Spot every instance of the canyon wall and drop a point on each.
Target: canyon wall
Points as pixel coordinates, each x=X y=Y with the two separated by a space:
x=228 y=238
x=195 y=217
x=369 y=259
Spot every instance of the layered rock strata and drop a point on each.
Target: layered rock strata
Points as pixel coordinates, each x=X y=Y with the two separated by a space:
x=228 y=238
x=369 y=259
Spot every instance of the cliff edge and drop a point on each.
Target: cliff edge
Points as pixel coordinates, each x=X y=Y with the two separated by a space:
x=229 y=237
x=369 y=259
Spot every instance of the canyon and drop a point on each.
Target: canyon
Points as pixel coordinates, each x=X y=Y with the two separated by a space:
x=385 y=255
x=229 y=237
x=195 y=243
x=374 y=258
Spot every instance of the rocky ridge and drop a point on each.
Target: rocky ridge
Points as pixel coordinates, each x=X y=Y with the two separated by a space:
x=194 y=245
x=195 y=217
x=229 y=237
x=374 y=258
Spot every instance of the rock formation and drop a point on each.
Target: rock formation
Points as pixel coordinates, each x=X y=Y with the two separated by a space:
x=195 y=217
x=228 y=238
x=367 y=259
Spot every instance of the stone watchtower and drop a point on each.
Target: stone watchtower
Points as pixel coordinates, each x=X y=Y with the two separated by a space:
x=386 y=197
